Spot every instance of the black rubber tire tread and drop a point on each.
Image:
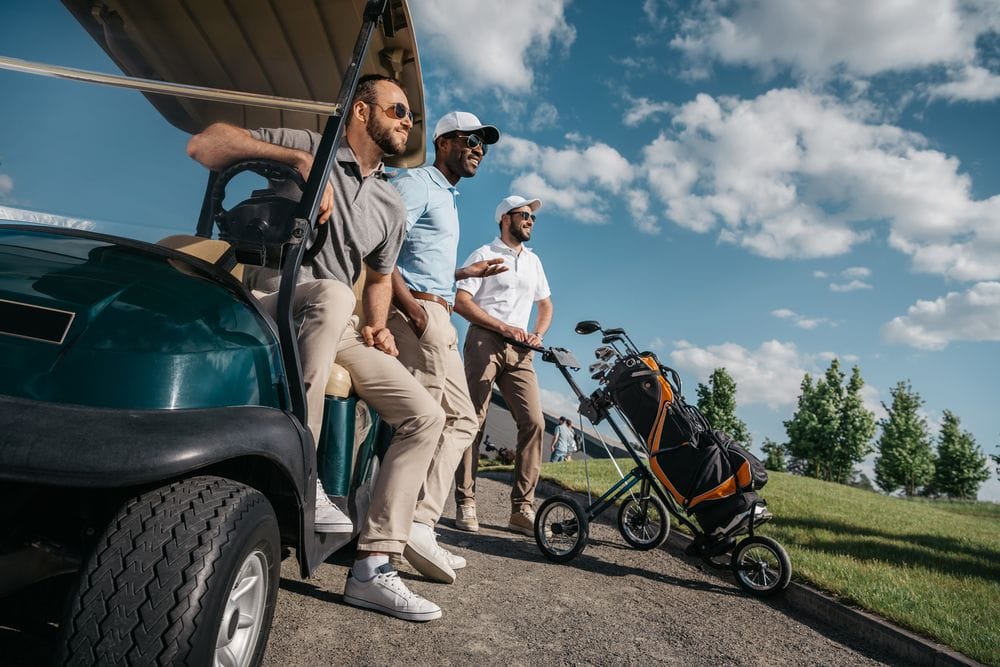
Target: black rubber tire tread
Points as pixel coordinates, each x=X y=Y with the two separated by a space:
x=784 y=562
x=582 y=533
x=664 y=524
x=147 y=592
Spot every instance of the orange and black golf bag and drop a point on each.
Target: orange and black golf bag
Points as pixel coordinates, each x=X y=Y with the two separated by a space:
x=705 y=471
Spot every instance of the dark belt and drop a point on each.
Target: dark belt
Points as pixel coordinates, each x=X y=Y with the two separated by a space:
x=427 y=296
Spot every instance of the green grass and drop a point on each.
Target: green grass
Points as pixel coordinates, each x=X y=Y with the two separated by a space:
x=932 y=567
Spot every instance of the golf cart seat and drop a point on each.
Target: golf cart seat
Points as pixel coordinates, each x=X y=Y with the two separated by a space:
x=212 y=251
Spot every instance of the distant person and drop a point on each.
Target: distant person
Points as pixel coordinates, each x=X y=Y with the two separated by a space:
x=562 y=441
x=420 y=320
x=367 y=224
x=500 y=308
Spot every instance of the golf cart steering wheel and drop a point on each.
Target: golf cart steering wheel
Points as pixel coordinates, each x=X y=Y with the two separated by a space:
x=259 y=228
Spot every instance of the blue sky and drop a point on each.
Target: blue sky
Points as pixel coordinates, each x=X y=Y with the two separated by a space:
x=755 y=185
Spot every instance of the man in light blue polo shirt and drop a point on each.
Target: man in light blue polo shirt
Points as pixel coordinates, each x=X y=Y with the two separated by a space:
x=420 y=319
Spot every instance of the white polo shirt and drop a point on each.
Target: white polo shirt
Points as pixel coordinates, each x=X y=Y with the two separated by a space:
x=508 y=296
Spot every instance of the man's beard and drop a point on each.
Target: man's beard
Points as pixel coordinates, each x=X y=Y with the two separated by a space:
x=520 y=234
x=384 y=137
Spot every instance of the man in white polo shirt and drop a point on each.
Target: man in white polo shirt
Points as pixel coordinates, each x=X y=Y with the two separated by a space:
x=499 y=308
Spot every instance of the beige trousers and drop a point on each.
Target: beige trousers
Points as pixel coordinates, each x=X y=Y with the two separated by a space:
x=489 y=359
x=384 y=384
x=434 y=360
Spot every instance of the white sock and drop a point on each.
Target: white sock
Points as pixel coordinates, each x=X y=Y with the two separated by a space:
x=364 y=568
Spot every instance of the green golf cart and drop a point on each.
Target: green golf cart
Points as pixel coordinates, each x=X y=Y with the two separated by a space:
x=152 y=417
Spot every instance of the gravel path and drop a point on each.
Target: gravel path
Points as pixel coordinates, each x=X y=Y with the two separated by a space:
x=611 y=605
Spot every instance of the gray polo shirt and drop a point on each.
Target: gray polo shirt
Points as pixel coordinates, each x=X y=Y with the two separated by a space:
x=368 y=221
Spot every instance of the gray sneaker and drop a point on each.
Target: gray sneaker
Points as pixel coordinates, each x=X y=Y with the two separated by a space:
x=465 y=518
x=386 y=592
x=329 y=518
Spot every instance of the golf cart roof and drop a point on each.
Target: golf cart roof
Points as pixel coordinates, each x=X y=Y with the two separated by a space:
x=296 y=49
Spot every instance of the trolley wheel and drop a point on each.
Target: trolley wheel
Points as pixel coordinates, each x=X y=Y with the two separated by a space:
x=561 y=529
x=761 y=566
x=643 y=522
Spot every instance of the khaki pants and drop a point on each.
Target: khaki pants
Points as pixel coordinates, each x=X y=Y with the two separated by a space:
x=434 y=360
x=384 y=384
x=489 y=359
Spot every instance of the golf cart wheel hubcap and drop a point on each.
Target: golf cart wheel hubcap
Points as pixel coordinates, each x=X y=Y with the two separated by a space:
x=244 y=613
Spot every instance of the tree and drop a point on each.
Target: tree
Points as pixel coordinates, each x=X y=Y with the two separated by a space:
x=831 y=430
x=961 y=465
x=774 y=455
x=905 y=457
x=857 y=428
x=717 y=402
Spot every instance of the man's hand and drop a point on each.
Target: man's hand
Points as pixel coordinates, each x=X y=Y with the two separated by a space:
x=418 y=321
x=516 y=333
x=304 y=165
x=534 y=340
x=380 y=339
x=481 y=269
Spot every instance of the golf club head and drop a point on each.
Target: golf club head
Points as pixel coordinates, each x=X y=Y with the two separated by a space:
x=598 y=367
x=611 y=338
x=587 y=327
x=613 y=332
x=604 y=352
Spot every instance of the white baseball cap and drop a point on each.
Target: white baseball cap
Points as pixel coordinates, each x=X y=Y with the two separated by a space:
x=463 y=121
x=516 y=201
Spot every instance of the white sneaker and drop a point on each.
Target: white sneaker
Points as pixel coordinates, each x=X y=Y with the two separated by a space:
x=427 y=558
x=329 y=518
x=386 y=592
x=456 y=561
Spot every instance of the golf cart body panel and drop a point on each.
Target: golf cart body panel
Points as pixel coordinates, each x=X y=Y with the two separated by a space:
x=295 y=49
x=89 y=447
x=94 y=322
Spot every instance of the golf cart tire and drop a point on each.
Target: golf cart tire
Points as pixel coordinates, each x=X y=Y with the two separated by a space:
x=159 y=584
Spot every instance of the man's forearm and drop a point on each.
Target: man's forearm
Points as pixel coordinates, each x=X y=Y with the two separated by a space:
x=401 y=295
x=376 y=298
x=544 y=319
x=467 y=308
x=220 y=144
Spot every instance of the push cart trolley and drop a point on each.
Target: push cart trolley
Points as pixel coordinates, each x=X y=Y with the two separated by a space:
x=760 y=564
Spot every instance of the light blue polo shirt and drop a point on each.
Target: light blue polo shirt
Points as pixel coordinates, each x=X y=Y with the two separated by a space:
x=427 y=259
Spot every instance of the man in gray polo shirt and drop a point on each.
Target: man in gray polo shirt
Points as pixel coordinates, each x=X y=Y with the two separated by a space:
x=367 y=227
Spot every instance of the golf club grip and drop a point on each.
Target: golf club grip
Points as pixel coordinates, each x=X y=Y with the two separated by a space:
x=517 y=343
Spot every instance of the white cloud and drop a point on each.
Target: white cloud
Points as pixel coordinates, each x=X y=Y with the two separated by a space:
x=51 y=219
x=796 y=174
x=657 y=344
x=642 y=108
x=638 y=207
x=545 y=115
x=770 y=375
x=973 y=315
x=579 y=179
x=558 y=403
x=493 y=44
x=6 y=185
x=856 y=272
x=852 y=286
x=801 y=321
x=577 y=204
x=820 y=274
x=970 y=83
x=818 y=37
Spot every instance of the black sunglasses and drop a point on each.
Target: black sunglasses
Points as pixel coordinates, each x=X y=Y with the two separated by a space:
x=524 y=215
x=473 y=140
x=398 y=111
